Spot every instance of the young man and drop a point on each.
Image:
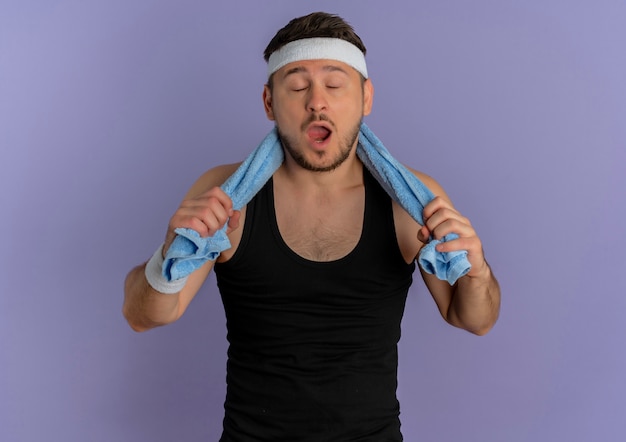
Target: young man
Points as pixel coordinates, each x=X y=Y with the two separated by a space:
x=315 y=282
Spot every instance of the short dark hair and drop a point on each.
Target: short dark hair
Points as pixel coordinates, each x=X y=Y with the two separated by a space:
x=317 y=24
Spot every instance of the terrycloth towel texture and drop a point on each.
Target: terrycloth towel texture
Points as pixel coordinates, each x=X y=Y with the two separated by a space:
x=189 y=251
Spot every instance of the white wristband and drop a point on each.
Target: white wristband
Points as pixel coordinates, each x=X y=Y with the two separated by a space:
x=154 y=275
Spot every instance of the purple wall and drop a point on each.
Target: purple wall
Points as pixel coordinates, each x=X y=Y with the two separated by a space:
x=110 y=109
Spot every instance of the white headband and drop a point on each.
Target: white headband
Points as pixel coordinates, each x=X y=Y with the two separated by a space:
x=317 y=49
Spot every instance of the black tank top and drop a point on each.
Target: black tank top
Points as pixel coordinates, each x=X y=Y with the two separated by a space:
x=313 y=345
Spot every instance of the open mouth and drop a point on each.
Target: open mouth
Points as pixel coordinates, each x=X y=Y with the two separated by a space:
x=318 y=134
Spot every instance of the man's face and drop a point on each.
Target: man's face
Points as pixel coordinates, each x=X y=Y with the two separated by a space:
x=318 y=106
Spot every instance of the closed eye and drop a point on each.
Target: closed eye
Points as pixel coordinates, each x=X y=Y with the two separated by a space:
x=335 y=81
x=298 y=86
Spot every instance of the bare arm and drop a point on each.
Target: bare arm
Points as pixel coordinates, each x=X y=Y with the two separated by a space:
x=145 y=308
x=473 y=303
x=205 y=211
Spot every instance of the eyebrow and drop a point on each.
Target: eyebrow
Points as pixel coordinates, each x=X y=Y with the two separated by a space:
x=302 y=69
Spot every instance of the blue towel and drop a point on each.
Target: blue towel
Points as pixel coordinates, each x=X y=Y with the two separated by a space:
x=189 y=251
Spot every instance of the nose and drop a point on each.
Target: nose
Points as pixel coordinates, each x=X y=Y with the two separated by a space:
x=316 y=99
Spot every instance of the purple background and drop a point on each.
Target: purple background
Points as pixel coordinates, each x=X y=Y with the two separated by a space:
x=110 y=109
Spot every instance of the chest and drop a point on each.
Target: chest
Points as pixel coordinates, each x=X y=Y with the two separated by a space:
x=321 y=227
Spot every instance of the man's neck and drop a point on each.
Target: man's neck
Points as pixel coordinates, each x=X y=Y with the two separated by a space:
x=347 y=174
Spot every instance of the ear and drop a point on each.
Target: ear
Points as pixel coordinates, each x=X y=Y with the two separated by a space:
x=267 y=103
x=368 y=97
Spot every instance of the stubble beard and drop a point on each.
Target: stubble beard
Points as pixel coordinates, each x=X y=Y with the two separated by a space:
x=345 y=147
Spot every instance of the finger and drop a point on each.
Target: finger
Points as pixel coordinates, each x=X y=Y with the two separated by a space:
x=188 y=221
x=433 y=206
x=441 y=224
x=472 y=246
x=423 y=234
x=438 y=211
x=221 y=196
x=214 y=216
x=454 y=245
x=233 y=221
x=204 y=215
x=454 y=227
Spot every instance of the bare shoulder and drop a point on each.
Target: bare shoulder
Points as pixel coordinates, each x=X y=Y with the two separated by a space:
x=212 y=178
x=406 y=226
x=430 y=182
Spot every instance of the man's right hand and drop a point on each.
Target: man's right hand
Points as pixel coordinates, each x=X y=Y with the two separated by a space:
x=206 y=214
